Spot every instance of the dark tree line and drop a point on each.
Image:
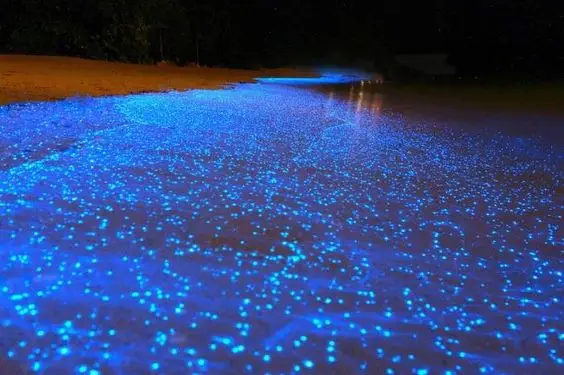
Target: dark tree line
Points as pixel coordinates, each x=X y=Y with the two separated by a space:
x=481 y=37
x=215 y=32
x=127 y=30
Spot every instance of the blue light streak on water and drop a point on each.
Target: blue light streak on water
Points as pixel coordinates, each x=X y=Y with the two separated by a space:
x=325 y=77
x=264 y=228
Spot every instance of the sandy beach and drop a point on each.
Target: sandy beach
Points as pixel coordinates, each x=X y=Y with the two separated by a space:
x=40 y=78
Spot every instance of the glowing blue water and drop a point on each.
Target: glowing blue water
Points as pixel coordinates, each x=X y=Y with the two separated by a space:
x=266 y=229
x=327 y=76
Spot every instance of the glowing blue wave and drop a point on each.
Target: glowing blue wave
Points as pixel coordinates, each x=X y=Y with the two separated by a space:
x=325 y=77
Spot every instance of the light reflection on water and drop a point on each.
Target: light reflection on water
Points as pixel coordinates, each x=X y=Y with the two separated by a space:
x=461 y=109
x=270 y=228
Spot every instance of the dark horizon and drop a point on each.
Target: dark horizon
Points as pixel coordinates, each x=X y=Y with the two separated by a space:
x=494 y=39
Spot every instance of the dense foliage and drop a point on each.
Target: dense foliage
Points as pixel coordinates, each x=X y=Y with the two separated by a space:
x=495 y=36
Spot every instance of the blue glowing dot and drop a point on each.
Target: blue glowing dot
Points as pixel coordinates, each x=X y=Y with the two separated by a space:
x=64 y=351
x=308 y=363
x=238 y=349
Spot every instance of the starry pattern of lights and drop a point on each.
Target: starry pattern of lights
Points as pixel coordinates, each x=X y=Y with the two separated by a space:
x=266 y=229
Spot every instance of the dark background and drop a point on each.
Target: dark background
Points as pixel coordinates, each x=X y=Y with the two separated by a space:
x=503 y=38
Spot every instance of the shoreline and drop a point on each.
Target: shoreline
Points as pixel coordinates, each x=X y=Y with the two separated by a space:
x=25 y=78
